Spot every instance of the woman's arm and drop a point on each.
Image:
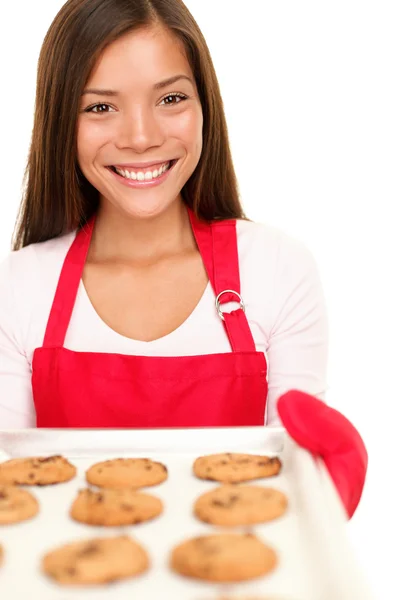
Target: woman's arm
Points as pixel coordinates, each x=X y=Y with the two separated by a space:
x=297 y=348
x=16 y=402
x=298 y=352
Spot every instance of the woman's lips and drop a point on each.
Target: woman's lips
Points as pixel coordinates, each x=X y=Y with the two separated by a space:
x=134 y=183
x=150 y=166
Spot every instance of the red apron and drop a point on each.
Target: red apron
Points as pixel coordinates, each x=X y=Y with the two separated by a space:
x=96 y=389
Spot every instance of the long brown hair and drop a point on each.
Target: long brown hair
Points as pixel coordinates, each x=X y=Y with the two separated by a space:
x=57 y=196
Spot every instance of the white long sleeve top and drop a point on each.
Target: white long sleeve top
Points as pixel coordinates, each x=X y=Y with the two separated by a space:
x=280 y=287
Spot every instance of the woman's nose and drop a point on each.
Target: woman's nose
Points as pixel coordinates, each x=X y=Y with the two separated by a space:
x=139 y=130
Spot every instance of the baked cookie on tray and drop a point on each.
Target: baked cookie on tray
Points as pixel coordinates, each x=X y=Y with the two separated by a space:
x=230 y=505
x=127 y=473
x=16 y=505
x=36 y=471
x=111 y=507
x=223 y=557
x=232 y=467
x=96 y=561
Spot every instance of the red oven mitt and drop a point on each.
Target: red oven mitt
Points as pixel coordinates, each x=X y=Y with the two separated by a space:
x=324 y=431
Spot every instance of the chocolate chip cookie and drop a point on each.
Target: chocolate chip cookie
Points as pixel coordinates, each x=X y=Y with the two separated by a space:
x=96 y=561
x=231 y=467
x=36 y=471
x=115 y=507
x=231 y=505
x=16 y=505
x=225 y=557
x=127 y=473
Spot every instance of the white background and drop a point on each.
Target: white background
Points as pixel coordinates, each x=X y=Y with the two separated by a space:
x=312 y=98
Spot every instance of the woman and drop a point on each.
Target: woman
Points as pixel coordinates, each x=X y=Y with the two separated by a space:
x=138 y=295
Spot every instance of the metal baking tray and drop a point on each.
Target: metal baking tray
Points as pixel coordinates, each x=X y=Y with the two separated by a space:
x=316 y=561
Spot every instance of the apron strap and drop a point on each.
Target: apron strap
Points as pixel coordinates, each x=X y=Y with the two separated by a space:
x=217 y=243
x=67 y=287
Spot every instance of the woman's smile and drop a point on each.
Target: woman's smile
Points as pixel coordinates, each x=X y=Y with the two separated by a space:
x=145 y=177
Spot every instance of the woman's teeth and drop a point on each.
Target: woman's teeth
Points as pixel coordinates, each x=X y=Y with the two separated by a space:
x=141 y=175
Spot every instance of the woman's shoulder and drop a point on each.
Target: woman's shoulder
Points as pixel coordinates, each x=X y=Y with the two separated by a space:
x=35 y=262
x=270 y=243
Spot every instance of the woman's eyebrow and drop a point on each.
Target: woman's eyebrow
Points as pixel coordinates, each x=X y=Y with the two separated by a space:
x=157 y=86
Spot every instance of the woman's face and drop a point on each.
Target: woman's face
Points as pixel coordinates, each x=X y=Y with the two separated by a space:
x=138 y=122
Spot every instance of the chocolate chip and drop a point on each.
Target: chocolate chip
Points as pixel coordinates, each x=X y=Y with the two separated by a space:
x=218 y=503
x=227 y=504
x=136 y=521
x=49 y=458
x=3 y=495
x=89 y=549
x=31 y=475
x=164 y=468
x=71 y=571
x=100 y=498
x=148 y=467
x=127 y=507
x=43 y=483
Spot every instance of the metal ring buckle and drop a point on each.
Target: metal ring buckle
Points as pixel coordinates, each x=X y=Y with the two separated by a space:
x=218 y=305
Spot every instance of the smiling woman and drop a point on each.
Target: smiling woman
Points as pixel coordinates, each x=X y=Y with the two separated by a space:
x=131 y=238
x=121 y=84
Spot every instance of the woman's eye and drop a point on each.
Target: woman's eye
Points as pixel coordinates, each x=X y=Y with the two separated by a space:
x=91 y=108
x=171 y=97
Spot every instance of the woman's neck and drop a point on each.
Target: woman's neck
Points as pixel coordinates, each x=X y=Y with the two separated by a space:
x=119 y=238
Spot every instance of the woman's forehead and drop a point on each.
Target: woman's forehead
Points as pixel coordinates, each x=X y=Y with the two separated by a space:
x=147 y=56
